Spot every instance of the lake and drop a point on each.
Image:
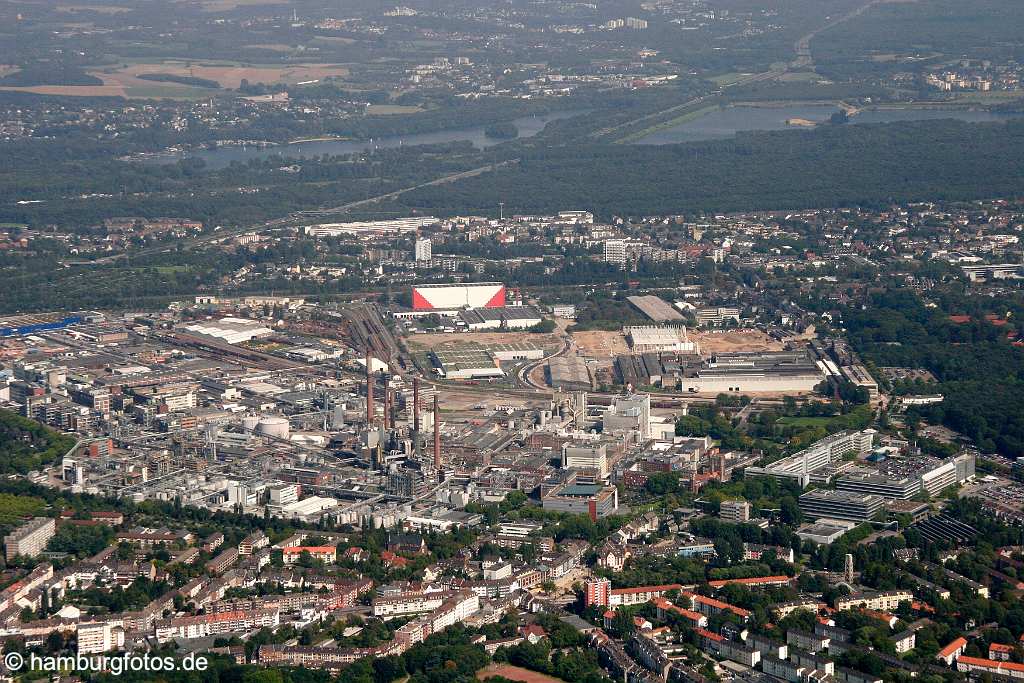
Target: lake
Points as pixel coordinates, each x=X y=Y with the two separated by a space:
x=223 y=156
x=725 y=123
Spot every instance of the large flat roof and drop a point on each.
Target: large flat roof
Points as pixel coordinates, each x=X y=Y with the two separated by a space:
x=655 y=308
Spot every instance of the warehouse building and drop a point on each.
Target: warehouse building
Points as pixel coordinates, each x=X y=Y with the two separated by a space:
x=859 y=376
x=466 y=364
x=845 y=505
x=655 y=339
x=752 y=372
x=655 y=308
x=507 y=318
x=570 y=373
x=230 y=330
x=451 y=297
x=512 y=351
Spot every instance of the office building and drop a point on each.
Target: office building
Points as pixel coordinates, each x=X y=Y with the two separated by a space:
x=845 y=505
x=805 y=466
x=901 y=488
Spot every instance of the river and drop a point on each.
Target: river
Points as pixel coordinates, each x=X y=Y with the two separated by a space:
x=727 y=122
x=223 y=156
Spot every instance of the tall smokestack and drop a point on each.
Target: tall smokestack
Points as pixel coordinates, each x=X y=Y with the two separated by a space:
x=437 y=435
x=416 y=405
x=387 y=408
x=370 y=410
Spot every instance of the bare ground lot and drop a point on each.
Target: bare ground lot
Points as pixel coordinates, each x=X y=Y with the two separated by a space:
x=606 y=345
x=515 y=673
x=735 y=340
x=601 y=345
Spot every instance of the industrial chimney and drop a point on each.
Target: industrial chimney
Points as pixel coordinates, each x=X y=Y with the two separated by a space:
x=437 y=435
x=370 y=410
x=416 y=405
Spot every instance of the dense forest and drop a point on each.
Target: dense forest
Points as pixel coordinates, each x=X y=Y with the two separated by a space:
x=904 y=36
x=26 y=445
x=831 y=166
x=980 y=373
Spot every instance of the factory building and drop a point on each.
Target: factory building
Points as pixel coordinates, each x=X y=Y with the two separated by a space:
x=629 y=413
x=230 y=330
x=582 y=457
x=597 y=502
x=859 y=376
x=570 y=373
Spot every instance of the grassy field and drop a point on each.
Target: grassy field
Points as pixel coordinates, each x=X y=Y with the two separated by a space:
x=671 y=123
x=803 y=421
x=389 y=109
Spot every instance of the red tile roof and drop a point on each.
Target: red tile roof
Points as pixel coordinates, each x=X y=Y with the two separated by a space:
x=647 y=589
x=990 y=663
x=953 y=647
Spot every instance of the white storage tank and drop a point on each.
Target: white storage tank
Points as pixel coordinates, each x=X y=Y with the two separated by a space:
x=249 y=423
x=274 y=426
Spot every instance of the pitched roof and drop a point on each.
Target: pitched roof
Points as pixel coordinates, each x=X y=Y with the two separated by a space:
x=952 y=647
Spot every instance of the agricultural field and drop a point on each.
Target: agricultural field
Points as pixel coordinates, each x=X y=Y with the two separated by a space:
x=228 y=75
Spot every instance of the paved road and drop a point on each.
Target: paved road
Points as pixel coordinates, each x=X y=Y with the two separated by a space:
x=802 y=47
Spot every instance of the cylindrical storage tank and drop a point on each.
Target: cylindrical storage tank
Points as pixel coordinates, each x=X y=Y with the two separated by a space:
x=249 y=423
x=274 y=426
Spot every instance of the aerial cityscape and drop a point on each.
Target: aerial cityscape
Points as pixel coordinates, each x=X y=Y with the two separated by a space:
x=636 y=341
